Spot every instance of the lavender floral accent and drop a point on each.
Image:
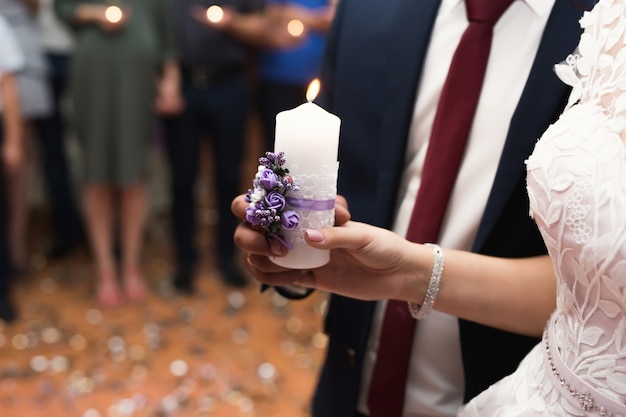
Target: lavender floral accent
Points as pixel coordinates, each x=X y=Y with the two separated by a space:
x=268 y=179
x=267 y=198
x=290 y=219
x=275 y=201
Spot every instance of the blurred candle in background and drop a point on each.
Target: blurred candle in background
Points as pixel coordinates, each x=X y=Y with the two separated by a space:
x=295 y=28
x=113 y=14
x=215 y=13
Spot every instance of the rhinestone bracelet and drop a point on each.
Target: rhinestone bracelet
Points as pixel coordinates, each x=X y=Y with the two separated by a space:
x=419 y=312
x=585 y=399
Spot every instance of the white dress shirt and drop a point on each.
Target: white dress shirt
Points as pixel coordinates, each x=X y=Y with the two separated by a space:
x=435 y=382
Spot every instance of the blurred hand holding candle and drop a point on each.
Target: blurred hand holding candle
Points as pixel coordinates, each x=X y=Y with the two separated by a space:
x=309 y=137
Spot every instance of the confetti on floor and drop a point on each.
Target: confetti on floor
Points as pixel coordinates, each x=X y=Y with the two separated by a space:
x=219 y=353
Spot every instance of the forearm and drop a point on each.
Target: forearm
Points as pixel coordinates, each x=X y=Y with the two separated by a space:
x=317 y=20
x=168 y=99
x=11 y=115
x=171 y=72
x=517 y=295
x=87 y=13
x=372 y=263
x=73 y=12
x=251 y=29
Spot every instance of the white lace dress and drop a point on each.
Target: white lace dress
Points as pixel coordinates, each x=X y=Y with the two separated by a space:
x=577 y=190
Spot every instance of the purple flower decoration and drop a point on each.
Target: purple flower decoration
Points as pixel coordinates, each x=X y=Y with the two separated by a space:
x=268 y=179
x=267 y=198
x=275 y=201
x=251 y=216
x=290 y=219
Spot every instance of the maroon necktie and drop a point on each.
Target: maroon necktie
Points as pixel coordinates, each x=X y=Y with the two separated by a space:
x=451 y=127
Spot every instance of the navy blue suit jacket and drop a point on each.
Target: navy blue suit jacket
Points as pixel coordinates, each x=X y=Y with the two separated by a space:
x=369 y=77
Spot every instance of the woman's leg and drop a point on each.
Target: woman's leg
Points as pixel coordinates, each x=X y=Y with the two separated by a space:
x=98 y=201
x=18 y=188
x=133 y=217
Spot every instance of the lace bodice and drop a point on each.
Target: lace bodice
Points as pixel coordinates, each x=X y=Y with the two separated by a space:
x=577 y=191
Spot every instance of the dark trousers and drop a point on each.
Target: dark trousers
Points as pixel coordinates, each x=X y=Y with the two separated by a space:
x=220 y=112
x=272 y=98
x=51 y=134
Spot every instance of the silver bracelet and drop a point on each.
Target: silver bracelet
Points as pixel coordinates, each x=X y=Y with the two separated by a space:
x=419 y=312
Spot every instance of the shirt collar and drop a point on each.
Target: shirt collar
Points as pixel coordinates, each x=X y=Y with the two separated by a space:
x=540 y=7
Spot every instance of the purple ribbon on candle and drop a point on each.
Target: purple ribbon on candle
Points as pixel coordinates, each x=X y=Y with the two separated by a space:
x=306 y=204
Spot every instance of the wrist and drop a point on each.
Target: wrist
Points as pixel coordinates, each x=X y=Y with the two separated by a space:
x=417 y=273
x=420 y=309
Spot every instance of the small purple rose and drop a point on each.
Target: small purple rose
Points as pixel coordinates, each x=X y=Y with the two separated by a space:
x=275 y=200
x=290 y=219
x=268 y=179
x=251 y=216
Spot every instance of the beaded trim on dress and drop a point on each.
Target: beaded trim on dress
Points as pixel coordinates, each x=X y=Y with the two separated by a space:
x=587 y=396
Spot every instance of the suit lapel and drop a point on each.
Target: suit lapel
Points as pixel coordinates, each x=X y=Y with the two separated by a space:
x=541 y=102
x=409 y=35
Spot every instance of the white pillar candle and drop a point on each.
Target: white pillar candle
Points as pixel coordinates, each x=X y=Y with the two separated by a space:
x=309 y=137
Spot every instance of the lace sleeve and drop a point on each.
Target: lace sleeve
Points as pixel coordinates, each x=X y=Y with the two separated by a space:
x=597 y=70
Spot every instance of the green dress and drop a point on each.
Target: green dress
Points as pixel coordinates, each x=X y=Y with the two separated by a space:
x=113 y=87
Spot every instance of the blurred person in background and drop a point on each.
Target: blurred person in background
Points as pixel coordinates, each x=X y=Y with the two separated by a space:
x=11 y=61
x=285 y=71
x=35 y=104
x=215 y=67
x=290 y=36
x=224 y=39
x=124 y=70
x=67 y=225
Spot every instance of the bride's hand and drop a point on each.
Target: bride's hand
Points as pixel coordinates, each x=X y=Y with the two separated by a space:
x=251 y=239
x=366 y=262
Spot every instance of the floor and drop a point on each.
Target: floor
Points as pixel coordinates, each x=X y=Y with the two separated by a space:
x=220 y=353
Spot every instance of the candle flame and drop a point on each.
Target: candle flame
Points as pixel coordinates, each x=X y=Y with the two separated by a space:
x=113 y=14
x=215 y=13
x=295 y=28
x=313 y=90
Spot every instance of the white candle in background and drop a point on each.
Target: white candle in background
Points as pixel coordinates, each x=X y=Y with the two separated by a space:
x=309 y=137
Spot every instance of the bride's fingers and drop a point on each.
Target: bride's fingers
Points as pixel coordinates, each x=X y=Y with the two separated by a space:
x=352 y=235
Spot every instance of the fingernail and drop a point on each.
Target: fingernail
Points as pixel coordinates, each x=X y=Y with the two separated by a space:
x=315 y=235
